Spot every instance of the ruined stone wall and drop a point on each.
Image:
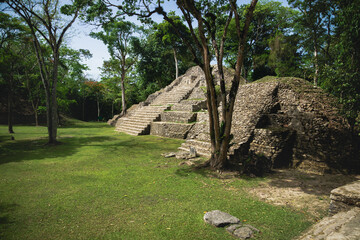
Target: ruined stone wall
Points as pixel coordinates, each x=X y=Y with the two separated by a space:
x=292 y=123
x=323 y=135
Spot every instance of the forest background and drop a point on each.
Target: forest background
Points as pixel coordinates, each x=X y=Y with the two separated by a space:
x=317 y=40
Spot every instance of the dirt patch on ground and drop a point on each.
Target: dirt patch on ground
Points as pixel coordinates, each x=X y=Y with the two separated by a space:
x=302 y=191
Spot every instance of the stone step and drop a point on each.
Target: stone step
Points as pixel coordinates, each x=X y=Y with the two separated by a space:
x=169 y=99
x=165 y=102
x=199 y=143
x=130 y=132
x=199 y=152
x=197 y=147
x=151 y=110
x=147 y=116
x=132 y=128
x=202 y=148
x=172 y=99
x=140 y=121
x=135 y=124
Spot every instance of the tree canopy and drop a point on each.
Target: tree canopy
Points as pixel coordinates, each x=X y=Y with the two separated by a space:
x=315 y=40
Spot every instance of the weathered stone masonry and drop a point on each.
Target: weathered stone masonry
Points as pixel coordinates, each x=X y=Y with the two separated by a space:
x=285 y=120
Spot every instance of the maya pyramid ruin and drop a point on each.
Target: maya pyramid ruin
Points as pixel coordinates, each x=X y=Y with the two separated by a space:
x=286 y=121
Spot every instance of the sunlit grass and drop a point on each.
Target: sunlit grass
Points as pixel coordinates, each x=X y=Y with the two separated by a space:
x=99 y=184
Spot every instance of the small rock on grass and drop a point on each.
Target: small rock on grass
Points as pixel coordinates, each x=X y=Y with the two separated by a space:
x=242 y=231
x=218 y=218
x=188 y=163
x=169 y=155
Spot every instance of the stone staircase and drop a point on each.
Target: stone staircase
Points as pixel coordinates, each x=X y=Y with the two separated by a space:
x=174 y=96
x=139 y=122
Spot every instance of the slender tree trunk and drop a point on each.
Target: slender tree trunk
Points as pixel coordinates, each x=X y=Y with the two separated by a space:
x=53 y=124
x=112 y=109
x=98 y=107
x=83 y=109
x=176 y=64
x=35 y=107
x=36 y=115
x=10 y=112
x=123 y=101
x=316 y=63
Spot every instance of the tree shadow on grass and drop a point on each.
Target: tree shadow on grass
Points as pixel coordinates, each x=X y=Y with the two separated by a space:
x=197 y=169
x=309 y=183
x=37 y=149
x=313 y=184
x=4 y=138
x=5 y=211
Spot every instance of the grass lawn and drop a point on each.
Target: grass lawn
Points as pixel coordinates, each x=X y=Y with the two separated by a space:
x=99 y=184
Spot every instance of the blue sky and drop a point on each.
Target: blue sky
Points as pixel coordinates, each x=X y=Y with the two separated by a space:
x=79 y=38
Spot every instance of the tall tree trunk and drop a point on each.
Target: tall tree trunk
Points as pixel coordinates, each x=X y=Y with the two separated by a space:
x=98 y=108
x=123 y=102
x=10 y=112
x=54 y=119
x=316 y=63
x=83 y=109
x=112 y=109
x=176 y=64
x=36 y=115
x=316 y=57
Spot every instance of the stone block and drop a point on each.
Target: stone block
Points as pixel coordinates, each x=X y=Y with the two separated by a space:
x=342 y=226
x=202 y=117
x=178 y=117
x=345 y=197
x=197 y=94
x=190 y=105
x=171 y=130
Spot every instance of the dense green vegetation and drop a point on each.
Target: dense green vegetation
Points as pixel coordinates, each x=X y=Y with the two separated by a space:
x=316 y=40
x=99 y=184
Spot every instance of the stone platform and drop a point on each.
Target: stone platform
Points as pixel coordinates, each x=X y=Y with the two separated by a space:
x=345 y=197
x=341 y=226
x=345 y=224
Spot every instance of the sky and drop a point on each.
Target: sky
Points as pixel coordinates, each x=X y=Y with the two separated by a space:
x=78 y=38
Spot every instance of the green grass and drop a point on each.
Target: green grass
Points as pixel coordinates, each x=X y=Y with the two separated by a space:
x=99 y=184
